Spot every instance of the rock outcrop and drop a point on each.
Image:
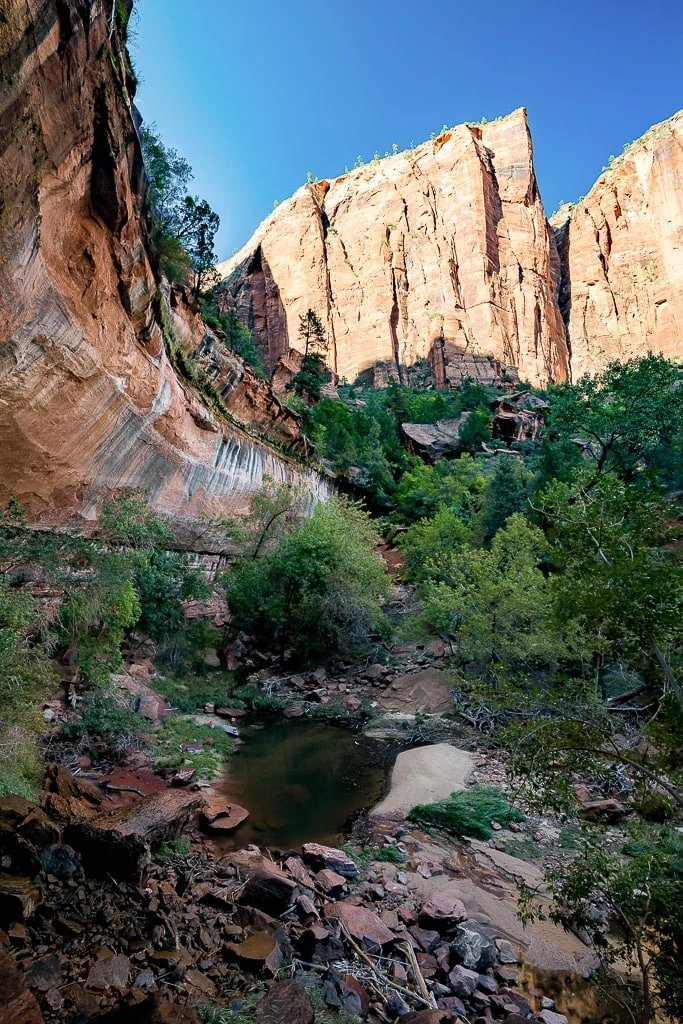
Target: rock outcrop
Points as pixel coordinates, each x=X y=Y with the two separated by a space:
x=444 y=253
x=622 y=255
x=91 y=401
x=439 y=252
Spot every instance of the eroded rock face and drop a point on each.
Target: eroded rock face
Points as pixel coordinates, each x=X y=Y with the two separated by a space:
x=622 y=256
x=90 y=401
x=443 y=249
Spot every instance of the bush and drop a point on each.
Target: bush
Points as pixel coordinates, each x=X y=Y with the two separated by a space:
x=103 y=715
x=468 y=812
x=319 y=591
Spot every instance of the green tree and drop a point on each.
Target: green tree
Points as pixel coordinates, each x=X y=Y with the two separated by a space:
x=319 y=590
x=506 y=494
x=308 y=382
x=183 y=227
x=626 y=417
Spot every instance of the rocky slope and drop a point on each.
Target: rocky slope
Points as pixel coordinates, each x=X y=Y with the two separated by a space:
x=90 y=399
x=445 y=247
x=444 y=252
x=622 y=255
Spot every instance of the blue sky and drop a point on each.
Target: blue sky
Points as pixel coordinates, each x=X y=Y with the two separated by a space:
x=257 y=95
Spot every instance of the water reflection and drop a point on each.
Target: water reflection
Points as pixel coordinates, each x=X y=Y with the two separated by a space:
x=302 y=781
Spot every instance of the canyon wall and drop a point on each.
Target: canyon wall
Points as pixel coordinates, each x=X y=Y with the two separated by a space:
x=622 y=255
x=444 y=252
x=443 y=248
x=89 y=399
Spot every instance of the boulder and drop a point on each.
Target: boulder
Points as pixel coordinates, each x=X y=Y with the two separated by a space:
x=606 y=810
x=441 y=911
x=330 y=882
x=68 y=798
x=286 y=1002
x=120 y=841
x=266 y=887
x=473 y=948
x=328 y=857
x=464 y=982
x=109 y=972
x=220 y=817
x=365 y=926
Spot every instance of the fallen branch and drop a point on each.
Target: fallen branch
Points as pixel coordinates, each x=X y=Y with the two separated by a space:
x=381 y=978
x=419 y=977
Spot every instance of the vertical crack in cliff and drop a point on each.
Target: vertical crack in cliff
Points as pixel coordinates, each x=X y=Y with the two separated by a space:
x=325 y=227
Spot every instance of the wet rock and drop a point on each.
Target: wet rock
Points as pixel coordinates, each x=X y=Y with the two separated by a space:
x=441 y=911
x=19 y=1005
x=473 y=948
x=119 y=842
x=19 y=898
x=328 y=857
x=361 y=923
x=287 y=1002
x=463 y=981
x=109 y=972
x=220 y=817
x=61 y=861
x=45 y=974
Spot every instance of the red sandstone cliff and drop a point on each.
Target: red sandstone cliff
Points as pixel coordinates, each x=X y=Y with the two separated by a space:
x=622 y=255
x=443 y=247
x=444 y=252
x=89 y=400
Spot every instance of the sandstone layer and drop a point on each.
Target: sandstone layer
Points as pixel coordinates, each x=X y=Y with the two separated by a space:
x=439 y=252
x=622 y=255
x=90 y=400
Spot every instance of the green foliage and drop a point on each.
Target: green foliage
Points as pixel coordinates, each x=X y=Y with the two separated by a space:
x=468 y=812
x=176 y=733
x=507 y=493
x=389 y=855
x=429 y=544
x=455 y=486
x=188 y=692
x=103 y=715
x=308 y=383
x=236 y=336
x=183 y=227
x=319 y=590
x=628 y=417
x=640 y=892
x=476 y=430
x=494 y=605
x=173 y=848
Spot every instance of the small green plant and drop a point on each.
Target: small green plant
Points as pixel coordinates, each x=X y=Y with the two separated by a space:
x=190 y=693
x=389 y=855
x=103 y=715
x=468 y=812
x=174 y=847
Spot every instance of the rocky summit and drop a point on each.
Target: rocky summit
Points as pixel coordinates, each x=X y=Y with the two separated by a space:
x=444 y=252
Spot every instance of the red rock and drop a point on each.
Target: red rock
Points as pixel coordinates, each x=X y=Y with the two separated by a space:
x=329 y=857
x=259 y=948
x=287 y=1002
x=220 y=817
x=611 y=810
x=19 y=1005
x=441 y=910
x=364 y=925
x=330 y=882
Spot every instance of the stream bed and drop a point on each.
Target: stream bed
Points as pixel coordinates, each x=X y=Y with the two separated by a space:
x=302 y=781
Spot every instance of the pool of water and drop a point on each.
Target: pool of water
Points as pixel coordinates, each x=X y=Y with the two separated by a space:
x=302 y=781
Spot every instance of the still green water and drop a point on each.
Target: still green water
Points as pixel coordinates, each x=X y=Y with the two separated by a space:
x=302 y=781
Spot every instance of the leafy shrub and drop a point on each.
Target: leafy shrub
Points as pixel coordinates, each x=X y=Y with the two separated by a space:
x=103 y=715
x=468 y=812
x=179 y=847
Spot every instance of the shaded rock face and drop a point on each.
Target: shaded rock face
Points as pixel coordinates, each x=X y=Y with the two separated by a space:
x=90 y=400
x=622 y=256
x=442 y=249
